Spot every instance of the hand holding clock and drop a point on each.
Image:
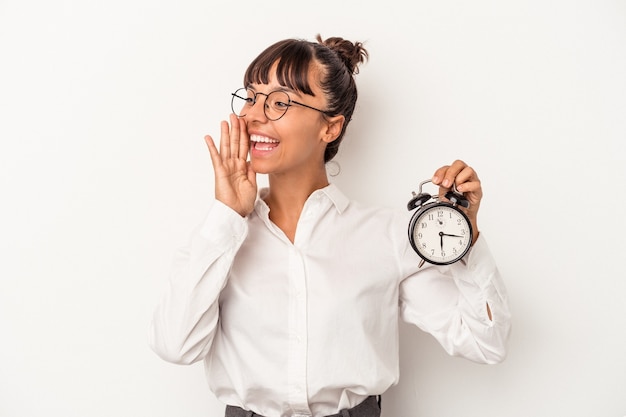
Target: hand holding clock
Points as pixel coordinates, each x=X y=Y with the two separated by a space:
x=467 y=182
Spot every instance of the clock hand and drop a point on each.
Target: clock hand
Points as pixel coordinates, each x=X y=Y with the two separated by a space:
x=445 y=234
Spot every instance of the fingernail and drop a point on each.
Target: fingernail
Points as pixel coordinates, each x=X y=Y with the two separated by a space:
x=446 y=183
x=436 y=179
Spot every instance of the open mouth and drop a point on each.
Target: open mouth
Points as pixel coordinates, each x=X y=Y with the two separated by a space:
x=262 y=143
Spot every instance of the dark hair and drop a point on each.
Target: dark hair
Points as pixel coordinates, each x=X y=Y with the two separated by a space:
x=339 y=59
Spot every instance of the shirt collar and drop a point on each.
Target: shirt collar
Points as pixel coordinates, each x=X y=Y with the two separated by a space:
x=331 y=191
x=334 y=194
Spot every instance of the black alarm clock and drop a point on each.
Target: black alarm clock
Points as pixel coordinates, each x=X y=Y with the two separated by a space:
x=439 y=231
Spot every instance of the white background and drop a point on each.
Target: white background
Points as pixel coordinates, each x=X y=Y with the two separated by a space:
x=104 y=172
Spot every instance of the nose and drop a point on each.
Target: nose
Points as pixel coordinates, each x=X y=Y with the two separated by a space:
x=255 y=112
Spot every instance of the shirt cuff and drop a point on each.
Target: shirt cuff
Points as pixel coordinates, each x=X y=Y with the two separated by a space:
x=222 y=224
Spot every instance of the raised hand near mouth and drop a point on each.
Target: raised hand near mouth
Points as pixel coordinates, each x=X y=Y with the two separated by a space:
x=235 y=181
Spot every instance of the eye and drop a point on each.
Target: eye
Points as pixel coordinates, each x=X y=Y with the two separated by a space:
x=278 y=100
x=280 y=104
x=249 y=96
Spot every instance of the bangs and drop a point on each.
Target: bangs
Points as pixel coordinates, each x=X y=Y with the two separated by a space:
x=293 y=58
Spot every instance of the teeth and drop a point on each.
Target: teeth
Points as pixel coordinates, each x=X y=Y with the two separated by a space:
x=257 y=138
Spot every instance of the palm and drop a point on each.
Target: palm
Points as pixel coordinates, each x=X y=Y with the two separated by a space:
x=233 y=185
x=235 y=181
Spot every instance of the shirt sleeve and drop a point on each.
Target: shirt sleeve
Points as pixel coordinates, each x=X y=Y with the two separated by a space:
x=463 y=305
x=185 y=320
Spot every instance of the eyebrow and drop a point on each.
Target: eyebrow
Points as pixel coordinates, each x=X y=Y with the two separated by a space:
x=279 y=88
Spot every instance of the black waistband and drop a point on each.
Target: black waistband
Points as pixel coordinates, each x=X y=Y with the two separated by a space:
x=368 y=408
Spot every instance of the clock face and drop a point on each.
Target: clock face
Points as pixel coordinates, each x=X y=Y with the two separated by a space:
x=440 y=233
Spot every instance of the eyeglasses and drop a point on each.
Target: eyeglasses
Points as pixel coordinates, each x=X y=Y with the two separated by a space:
x=276 y=103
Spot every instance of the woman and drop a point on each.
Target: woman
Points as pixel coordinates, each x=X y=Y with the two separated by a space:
x=292 y=294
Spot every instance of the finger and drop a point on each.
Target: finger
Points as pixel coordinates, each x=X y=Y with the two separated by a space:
x=457 y=175
x=469 y=184
x=244 y=139
x=446 y=175
x=235 y=133
x=452 y=173
x=439 y=175
x=215 y=155
x=225 y=140
x=466 y=174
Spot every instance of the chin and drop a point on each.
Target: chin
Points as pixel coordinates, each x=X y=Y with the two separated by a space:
x=259 y=167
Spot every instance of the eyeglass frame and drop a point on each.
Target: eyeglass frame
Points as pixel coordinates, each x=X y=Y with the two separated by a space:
x=256 y=93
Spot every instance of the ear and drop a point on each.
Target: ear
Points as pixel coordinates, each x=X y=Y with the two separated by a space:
x=334 y=125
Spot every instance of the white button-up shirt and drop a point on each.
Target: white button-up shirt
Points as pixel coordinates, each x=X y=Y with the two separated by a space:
x=311 y=327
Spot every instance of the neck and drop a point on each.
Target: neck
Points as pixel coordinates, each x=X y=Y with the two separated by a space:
x=289 y=194
x=286 y=198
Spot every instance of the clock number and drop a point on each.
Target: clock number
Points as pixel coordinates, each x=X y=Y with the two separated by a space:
x=424 y=225
x=440 y=213
x=430 y=217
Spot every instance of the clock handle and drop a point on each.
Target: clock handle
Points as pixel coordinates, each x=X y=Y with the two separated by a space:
x=420 y=198
x=455 y=197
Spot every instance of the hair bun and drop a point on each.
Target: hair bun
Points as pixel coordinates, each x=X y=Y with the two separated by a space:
x=352 y=54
